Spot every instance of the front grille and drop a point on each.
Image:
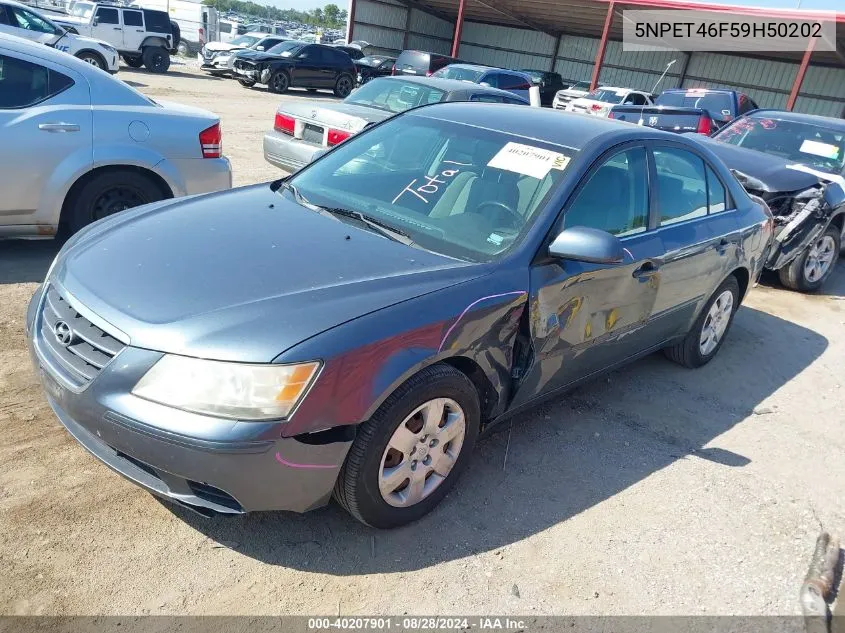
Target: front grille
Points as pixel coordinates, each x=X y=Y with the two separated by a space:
x=244 y=65
x=72 y=342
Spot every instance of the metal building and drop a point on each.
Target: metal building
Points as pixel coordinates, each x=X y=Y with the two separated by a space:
x=581 y=40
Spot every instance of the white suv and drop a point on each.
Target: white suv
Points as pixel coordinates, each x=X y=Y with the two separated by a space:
x=23 y=21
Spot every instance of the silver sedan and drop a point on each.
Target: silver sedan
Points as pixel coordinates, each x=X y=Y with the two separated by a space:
x=303 y=129
x=79 y=145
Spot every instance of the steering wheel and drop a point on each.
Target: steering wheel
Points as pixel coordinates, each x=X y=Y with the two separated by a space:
x=516 y=219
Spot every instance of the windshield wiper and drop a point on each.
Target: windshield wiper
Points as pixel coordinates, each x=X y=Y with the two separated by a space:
x=397 y=235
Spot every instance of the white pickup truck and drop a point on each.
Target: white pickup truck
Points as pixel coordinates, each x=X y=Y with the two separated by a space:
x=142 y=36
x=28 y=23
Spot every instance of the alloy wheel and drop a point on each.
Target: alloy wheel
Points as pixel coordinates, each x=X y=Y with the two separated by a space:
x=279 y=82
x=819 y=259
x=422 y=452
x=344 y=86
x=718 y=318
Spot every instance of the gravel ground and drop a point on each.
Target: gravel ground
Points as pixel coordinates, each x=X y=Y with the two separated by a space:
x=655 y=490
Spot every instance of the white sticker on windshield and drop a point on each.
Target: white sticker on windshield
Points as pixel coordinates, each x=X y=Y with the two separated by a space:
x=820 y=149
x=528 y=160
x=495 y=238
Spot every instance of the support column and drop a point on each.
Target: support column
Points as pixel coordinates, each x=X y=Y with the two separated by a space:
x=802 y=70
x=594 y=82
x=682 y=74
x=350 y=21
x=407 y=27
x=459 y=27
x=555 y=54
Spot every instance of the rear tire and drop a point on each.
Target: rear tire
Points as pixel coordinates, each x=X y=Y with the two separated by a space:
x=279 y=82
x=798 y=274
x=182 y=49
x=133 y=61
x=94 y=59
x=156 y=59
x=363 y=487
x=692 y=351
x=107 y=194
x=343 y=86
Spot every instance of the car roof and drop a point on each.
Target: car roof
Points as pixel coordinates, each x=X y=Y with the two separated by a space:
x=544 y=124
x=814 y=119
x=448 y=85
x=685 y=90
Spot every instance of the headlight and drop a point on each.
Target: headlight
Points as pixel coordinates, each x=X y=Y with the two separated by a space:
x=228 y=390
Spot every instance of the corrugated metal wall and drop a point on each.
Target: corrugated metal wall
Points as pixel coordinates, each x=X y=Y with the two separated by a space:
x=384 y=23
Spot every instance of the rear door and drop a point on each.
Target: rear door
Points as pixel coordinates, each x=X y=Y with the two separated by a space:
x=588 y=317
x=133 y=29
x=698 y=232
x=306 y=71
x=106 y=26
x=46 y=120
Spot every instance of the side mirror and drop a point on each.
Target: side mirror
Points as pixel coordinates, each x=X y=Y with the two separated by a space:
x=259 y=48
x=834 y=195
x=95 y=21
x=583 y=244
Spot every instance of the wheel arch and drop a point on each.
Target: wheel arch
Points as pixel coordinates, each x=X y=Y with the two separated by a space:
x=743 y=278
x=90 y=175
x=154 y=40
x=92 y=52
x=838 y=221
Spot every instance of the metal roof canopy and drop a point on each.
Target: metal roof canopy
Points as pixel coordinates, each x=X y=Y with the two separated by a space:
x=587 y=18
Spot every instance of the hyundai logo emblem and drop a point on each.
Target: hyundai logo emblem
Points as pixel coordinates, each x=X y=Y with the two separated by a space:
x=64 y=335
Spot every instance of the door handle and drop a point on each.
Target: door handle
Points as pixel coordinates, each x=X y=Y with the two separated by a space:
x=116 y=28
x=58 y=127
x=648 y=269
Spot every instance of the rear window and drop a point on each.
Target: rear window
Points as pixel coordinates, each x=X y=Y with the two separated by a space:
x=157 y=21
x=413 y=59
x=459 y=73
x=717 y=104
x=394 y=96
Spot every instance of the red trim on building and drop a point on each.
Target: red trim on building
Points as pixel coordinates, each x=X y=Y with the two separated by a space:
x=763 y=12
x=799 y=77
x=459 y=27
x=608 y=19
x=351 y=21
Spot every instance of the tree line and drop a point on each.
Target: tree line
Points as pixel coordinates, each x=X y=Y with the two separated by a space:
x=330 y=16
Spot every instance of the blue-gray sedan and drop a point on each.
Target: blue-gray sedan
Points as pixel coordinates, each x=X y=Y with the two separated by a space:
x=351 y=330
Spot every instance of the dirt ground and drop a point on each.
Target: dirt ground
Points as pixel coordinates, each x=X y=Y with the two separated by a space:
x=656 y=490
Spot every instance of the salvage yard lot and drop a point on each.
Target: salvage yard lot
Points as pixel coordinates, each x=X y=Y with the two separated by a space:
x=653 y=490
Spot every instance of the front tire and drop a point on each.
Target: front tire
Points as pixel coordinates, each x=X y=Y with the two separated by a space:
x=109 y=193
x=94 y=59
x=809 y=271
x=710 y=329
x=156 y=59
x=343 y=86
x=410 y=453
x=279 y=82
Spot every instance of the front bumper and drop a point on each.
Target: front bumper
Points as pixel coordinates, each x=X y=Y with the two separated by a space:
x=204 y=463
x=287 y=152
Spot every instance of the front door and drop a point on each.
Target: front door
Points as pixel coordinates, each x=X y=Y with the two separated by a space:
x=45 y=115
x=133 y=29
x=22 y=22
x=587 y=317
x=306 y=72
x=106 y=26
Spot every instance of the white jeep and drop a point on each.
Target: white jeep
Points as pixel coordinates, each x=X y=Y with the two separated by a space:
x=28 y=23
x=142 y=36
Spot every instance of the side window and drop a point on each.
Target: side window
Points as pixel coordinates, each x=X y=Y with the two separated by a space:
x=615 y=198
x=23 y=84
x=340 y=58
x=638 y=99
x=494 y=80
x=486 y=98
x=133 y=18
x=717 y=199
x=32 y=22
x=515 y=82
x=309 y=53
x=106 y=15
x=4 y=16
x=681 y=185
x=386 y=64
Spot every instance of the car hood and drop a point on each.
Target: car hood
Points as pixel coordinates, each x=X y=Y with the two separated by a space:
x=566 y=92
x=90 y=40
x=778 y=174
x=70 y=19
x=241 y=275
x=223 y=46
x=261 y=56
x=339 y=115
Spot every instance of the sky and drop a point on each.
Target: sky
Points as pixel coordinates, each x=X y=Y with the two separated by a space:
x=828 y=5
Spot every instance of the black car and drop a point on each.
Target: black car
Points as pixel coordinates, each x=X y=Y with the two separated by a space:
x=796 y=163
x=295 y=64
x=421 y=63
x=373 y=66
x=548 y=82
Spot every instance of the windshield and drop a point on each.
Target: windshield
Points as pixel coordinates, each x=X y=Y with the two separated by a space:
x=606 y=96
x=286 y=49
x=82 y=9
x=394 y=96
x=536 y=75
x=718 y=104
x=455 y=189
x=456 y=72
x=245 y=40
x=371 y=60
x=804 y=143
x=580 y=85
